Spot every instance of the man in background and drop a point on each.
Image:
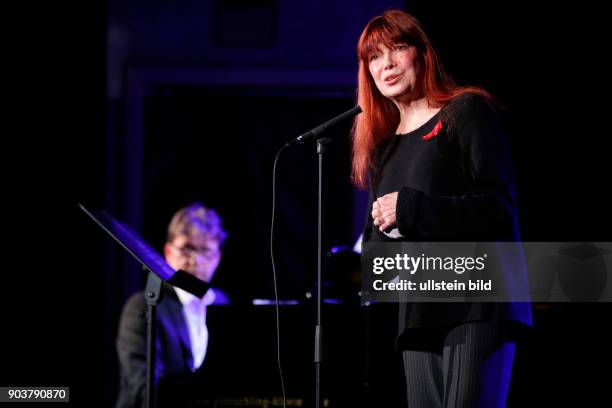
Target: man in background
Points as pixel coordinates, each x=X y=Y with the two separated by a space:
x=193 y=244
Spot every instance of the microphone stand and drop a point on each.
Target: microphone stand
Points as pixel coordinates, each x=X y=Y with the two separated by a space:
x=318 y=338
x=321 y=148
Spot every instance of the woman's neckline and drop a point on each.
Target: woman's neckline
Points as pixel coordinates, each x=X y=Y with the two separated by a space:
x=423 y=126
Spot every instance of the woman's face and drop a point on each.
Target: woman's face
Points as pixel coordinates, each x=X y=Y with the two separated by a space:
x=394 y=70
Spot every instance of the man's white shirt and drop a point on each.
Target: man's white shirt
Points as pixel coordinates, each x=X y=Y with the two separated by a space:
x=194 y=311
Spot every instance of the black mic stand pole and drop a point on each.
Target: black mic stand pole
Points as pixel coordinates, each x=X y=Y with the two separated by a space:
x=318 y=347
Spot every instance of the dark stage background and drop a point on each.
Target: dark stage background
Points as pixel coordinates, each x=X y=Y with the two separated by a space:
x=139 y=107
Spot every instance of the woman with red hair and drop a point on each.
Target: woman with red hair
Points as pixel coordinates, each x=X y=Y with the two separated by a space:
x=434 y=158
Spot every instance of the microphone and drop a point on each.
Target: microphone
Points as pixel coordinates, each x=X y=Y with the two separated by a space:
x=319 y=130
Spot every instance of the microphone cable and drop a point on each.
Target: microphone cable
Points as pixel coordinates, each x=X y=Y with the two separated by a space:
x=277 y=300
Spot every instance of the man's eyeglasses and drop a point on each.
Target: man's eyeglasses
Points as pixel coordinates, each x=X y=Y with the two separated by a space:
x=189 y=251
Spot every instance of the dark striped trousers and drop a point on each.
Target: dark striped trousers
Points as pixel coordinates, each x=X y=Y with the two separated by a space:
x=470 y=368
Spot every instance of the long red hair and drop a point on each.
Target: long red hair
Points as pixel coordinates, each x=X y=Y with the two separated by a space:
x=380 y=116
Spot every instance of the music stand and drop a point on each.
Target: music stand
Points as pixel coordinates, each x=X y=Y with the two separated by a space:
x=158 y=271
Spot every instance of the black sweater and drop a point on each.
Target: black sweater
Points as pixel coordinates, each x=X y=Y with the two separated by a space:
x=455 y=186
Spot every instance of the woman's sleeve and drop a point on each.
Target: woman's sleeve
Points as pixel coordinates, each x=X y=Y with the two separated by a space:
x=487 y=210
